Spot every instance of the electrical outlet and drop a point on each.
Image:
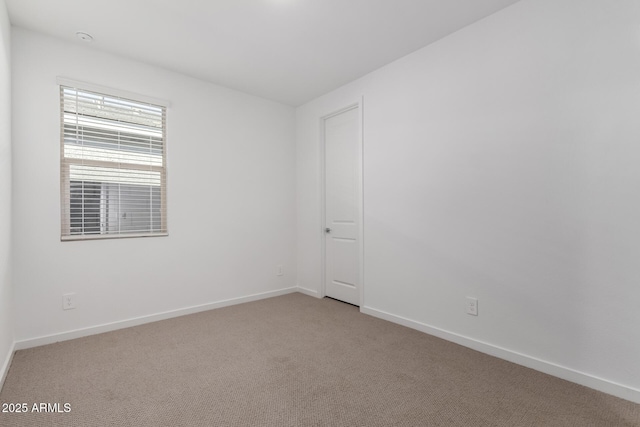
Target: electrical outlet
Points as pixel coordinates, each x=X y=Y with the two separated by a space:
x=472 y=306
x=279 y=271
x=68 y=301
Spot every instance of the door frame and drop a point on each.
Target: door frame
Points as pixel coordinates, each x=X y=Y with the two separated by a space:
x=359 y=104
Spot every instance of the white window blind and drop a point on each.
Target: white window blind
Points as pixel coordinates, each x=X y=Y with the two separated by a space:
x=113 y=166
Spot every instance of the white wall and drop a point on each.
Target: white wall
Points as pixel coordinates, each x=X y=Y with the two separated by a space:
x=502 y=163
x=231 y=197
x=6 y=309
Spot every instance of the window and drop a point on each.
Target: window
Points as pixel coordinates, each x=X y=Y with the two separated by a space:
x=113 y=166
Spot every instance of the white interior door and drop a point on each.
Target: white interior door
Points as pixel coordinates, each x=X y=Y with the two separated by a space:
x=342 y=206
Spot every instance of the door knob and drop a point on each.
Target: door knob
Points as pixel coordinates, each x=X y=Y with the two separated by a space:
x=327 y=230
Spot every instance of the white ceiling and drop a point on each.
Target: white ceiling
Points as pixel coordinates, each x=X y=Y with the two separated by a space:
x=286 y=50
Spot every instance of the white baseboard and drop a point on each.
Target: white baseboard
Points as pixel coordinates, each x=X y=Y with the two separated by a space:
x=587 y=380
x=4 y=370
x=107 y=327
x=309 y=292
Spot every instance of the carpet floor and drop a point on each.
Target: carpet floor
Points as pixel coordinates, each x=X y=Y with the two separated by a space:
x=289 y=361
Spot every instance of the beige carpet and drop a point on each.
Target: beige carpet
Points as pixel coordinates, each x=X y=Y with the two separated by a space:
x=290 y=361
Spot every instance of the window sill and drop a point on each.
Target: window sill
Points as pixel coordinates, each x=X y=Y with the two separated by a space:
x=109 y=236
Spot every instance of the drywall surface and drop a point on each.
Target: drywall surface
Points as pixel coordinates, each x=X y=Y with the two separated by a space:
x=502 y=163
x=6 y=308
x=231 y=197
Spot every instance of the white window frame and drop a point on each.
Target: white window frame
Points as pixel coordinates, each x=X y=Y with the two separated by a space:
x=66 y=163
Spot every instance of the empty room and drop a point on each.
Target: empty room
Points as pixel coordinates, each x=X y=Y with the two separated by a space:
x=320 y=213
